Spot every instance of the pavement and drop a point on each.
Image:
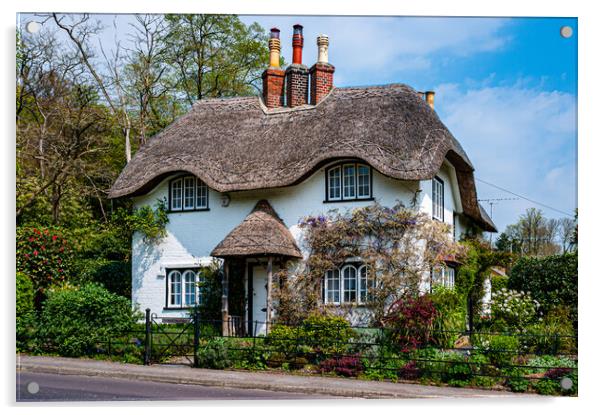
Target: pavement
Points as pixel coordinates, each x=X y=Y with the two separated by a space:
x=243 y=380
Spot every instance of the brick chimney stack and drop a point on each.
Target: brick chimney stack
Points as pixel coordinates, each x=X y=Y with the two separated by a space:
x=322 y=72
x=297 y=75
x=273 y=77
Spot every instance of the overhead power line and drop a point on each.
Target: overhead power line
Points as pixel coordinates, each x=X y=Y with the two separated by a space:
x=525 y=198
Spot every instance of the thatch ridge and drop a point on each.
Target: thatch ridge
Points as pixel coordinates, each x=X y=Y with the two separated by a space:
x=236 y=144
x=261 y=233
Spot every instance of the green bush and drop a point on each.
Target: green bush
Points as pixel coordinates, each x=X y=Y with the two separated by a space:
x=25 y=295
x=327 y=334
x=500 y=349
x=551 y=335
x=75 y=321
x=498 y=282
x=450 y=319
x=115 y=276
x=215 y=354
x=25 y=313
x=551 y=280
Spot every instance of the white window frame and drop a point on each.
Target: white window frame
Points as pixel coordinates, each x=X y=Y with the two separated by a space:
x=353 y=177
x=172 y=188
x=362 y=296
x=443 y=275
x=182 y=184
x=183 y=272
x=336 y=174
x=438 y=199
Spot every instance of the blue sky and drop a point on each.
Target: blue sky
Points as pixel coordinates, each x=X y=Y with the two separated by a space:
x=505 y=87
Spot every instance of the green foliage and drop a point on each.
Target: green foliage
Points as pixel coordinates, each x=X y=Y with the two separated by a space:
x=210 y=287
x=214 y=354
x=515 y=378
x=552 y=281
x=450 y=318
x=74 y=320
x=500 y=349
x=498 y=282
x=149 y=222
x=115 y=276
x=25 y=294
x=25 y=312
x=326 y=333
x=553 y=334
x=44 y=255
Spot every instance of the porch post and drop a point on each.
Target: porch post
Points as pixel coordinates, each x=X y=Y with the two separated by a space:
x=225 y=317
x=268 y=314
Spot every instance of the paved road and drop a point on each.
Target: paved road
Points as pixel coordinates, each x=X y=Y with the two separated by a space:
x=53 y=387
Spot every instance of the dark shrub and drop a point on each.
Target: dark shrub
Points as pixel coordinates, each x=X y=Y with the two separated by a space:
x=450 y=319
x=115 y=276
x=75 y=321
x=411 y=318
x=25 y=295
x=348 y=366
x=410 y=371
x=327 y=334
x=551 y=280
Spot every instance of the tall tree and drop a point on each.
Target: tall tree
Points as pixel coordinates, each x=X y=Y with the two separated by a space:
x=214 y=55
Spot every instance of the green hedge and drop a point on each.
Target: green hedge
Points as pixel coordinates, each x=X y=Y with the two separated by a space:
x=77 y=321
x=551 y=280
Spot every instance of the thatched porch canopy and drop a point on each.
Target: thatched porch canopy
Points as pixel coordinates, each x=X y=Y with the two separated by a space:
x=262 y=233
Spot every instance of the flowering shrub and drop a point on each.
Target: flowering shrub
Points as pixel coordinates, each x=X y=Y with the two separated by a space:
x=44 y=255
x=411 y=318
x=514 y=308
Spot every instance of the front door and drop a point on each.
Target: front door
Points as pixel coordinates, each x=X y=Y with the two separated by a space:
x=259 y=300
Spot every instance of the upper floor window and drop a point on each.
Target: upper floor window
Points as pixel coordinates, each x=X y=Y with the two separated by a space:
x=188 y=193
x=348 y=181
x=182 y=288
x=351 y=284
x=438 y=199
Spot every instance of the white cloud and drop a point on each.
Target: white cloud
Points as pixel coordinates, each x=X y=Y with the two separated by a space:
x=388 y=44
x=519 y=137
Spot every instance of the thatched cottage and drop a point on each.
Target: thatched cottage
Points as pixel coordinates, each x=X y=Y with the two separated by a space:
x=239 y=173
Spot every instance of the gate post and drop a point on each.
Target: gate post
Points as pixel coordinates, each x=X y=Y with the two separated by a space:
x=147 y=338
x=197 y=332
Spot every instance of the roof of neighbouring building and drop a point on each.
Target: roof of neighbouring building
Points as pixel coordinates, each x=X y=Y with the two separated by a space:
x=236 y=144
x=261 y=233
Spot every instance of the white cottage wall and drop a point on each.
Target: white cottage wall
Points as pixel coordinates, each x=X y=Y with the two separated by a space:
x=191 y=236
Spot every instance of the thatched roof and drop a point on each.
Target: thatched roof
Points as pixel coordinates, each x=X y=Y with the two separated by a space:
x=238 y=144
x=261 y=233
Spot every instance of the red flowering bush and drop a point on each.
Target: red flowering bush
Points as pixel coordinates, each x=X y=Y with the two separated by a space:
x=44 y=255
x=411 y=319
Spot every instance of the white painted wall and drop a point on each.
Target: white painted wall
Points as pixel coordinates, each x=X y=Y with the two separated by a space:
x=191 y=236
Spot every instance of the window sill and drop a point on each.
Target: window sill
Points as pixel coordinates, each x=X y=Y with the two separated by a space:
x=368 y=199
x=177 y=308
x=189 y=211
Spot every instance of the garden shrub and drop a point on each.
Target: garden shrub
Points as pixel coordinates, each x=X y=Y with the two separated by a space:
x=551 y=280
x=551 y=335
x=348 y=366
x=283 y=340
x=500 y=349
x=75 y=320
x=515 y=378
x=450 y=318
x=115 y=276
x=327 y=334
x=25 y=313
x=45 y=256
x=515 y=309
x=214 y=354
x=411 y=318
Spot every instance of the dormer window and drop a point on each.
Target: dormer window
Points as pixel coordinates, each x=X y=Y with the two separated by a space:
x=438 y=199
x=188 y=193
x=348 y=181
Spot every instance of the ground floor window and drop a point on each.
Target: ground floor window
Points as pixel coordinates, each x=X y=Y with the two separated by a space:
x=351 y=284
x=443 y=275
x=182 y=288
